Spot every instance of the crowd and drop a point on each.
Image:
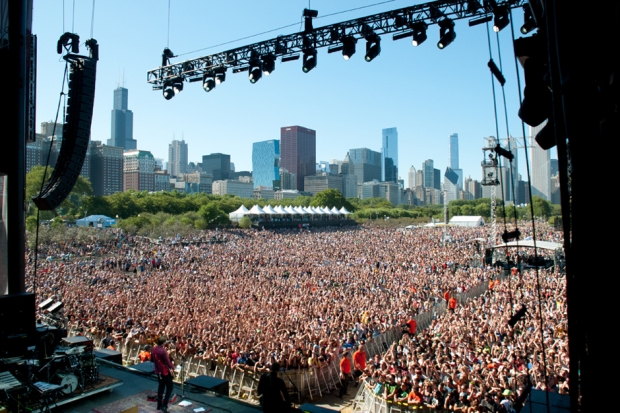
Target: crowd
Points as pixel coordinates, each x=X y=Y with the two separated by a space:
x=299 y=297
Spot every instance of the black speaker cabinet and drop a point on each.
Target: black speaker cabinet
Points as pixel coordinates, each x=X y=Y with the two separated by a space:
x=17 y=324
x=213 y=384
x=109 y=355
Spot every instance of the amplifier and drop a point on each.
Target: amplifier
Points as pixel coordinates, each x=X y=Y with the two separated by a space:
x=77 y=341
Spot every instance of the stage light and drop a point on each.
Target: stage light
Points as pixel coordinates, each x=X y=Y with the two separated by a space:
x=546 y=137
x=529 y=23
x=208 y=81
x=480 y=20
x=255 y=70
x=532 y=54
x=269 y=64
x=373 y=48
x=419 y=33
x=446 y=33
x=309 y=60
x=500 y=20
x=177 y=85
x=168 y=91
x=290 y=58
x=507 y=236
x=348 y=47
x=517 y=316
x=220 y=75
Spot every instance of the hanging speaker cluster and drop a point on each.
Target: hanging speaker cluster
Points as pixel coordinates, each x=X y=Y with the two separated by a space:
x=76 y=130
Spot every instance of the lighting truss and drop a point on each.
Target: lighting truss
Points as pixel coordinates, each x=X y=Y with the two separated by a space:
x=395 y=22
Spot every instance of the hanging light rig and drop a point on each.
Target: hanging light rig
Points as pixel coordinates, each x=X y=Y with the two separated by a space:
x=259 y=59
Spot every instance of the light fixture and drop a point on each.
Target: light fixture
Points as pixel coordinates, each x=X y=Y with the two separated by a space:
x=529 y=23
x=419 y=33
x=309 y=60
x=220 y=75
x=208 y=81
x=507 y=236
x=269 y=64
x=546 y=137
x=255 y=71
x=500 y=19
x=446 y=33
x=348 y=47
x=177 y=85
x=168 y=91
x=373 y=47
x=504 y=152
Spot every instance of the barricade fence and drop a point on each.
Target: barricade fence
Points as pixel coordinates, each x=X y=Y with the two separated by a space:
x=306 y=383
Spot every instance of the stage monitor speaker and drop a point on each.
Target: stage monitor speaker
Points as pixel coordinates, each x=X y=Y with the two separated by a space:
x=75 y=135
x=213 y=384
x=311 y=408
x=109 y=355
x=77 y=341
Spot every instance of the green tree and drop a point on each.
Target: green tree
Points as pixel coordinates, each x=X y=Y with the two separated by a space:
x=467 y=210
x=330 y=198
x=35 y=177
x=212 y=214
x=542 y=208
x=483 y=209
x=245 y=222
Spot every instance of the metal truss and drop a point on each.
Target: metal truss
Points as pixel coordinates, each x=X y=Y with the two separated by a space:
x=400 y=22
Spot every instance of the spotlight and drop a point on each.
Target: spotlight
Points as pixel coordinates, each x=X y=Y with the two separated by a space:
x=168 y=90
x=529 y=23
x=517 y=316
x=269 y=64
x=348 y=47
x=507 y=236
x=208 y=81
x=504 y=152
x=309 y=60
x=446 y=33
x=536 y=106
x=177 y=85
x=419 y=33
x=255 y=71
x=373 y=48
x=500 y=20
x=220 y=75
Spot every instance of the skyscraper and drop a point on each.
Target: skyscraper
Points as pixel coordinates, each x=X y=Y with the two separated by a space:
x=540 y=161
x=452 y=190
x=138 y=171
x=428 y=166
x=453 y=148
x=106 y=169
x=411 y=178
x=122 y=121
x=266 y=163
x=177 y=158
x=389 y=155
x=365 y=164
x=218 y=165
x=298 y=152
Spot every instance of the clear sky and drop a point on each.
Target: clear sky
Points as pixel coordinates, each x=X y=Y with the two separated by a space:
x=425 y=92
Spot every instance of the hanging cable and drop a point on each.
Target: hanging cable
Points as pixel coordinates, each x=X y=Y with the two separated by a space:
x=529 y=186
x=499 y=163
x=282 y=27
x=47 y=164
x=168 y=40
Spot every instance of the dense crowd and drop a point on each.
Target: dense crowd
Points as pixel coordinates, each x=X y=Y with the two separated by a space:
x=299 y=297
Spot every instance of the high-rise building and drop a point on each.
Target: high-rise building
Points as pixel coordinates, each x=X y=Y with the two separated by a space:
x=411 y=178
x=232 y=187
x=428 y=166
x=452 y=190
x=436 y=179
x=318 y=183
x=540 y=163
x=389 y=155
x=453 y=149
x=49 y=129
x=106 y=169
x=266 y=163
x=218 y=165
x=365 y=164
x=138 y=171
x=122 y=121
x=298 y=152
x=177 y=158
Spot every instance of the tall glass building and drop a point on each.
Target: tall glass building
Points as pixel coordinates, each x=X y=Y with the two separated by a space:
x=122 y=121
x=389 y=155
x=266 y=163
x=298 y=155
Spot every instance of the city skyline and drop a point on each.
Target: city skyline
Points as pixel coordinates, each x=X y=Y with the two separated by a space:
x=442 y=101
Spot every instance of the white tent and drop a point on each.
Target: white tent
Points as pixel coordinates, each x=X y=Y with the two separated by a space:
x=235 y=216
x=280 y=210
x=268 y=209
x=335 y=211
x=467 y=221
x=256 y=210
x=344 y=211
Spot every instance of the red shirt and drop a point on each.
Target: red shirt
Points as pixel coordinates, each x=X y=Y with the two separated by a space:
x=345 y=365
x=162 y=362
x=359 y=358
x=412 y=326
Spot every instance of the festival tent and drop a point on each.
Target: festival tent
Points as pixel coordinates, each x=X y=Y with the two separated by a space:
x=344 y=211
x=268 y=209
x=97 y=221
x=467 y=221
x=335 y=211
x=256 y=210
x=280 y=210
x=235 y=216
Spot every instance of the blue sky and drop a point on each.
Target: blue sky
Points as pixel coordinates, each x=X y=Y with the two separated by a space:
x=425 y=92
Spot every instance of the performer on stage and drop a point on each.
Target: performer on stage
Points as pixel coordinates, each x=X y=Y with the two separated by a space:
x=165 y=373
